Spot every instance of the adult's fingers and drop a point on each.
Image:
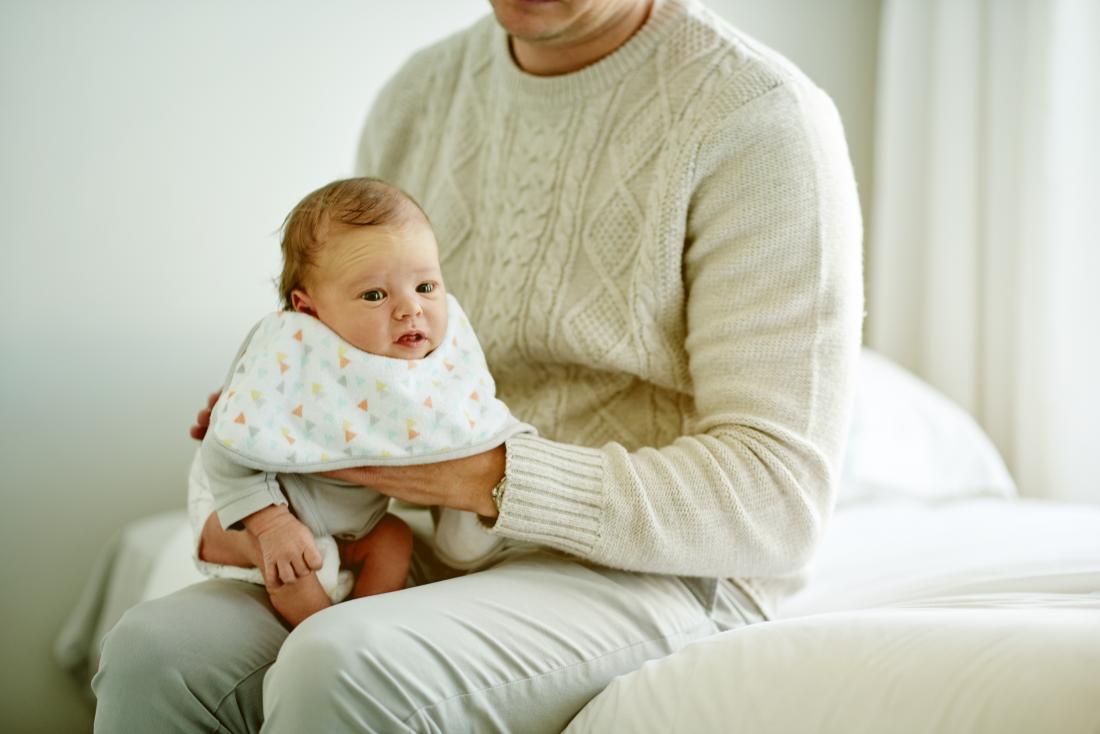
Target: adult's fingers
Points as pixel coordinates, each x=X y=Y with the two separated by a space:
x=202 y=423
x=202 y=419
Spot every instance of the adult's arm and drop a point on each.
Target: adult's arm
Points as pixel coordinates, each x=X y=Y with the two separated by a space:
x=771 y=277
x=772 y=282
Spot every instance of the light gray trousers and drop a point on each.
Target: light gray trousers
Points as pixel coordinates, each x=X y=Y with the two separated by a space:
x=519 y=647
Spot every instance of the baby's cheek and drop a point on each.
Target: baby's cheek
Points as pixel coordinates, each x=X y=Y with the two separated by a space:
x=376 y=342
x=441 y=327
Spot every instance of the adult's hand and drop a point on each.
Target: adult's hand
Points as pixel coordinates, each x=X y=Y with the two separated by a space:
x=463 y=484
x=202 y=420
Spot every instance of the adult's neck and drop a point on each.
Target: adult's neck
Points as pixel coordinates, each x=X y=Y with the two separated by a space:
x=552 y=57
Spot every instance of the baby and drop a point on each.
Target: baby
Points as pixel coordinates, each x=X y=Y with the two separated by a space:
x=371 y=363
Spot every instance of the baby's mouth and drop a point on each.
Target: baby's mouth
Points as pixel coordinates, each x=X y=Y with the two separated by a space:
x=411 y=339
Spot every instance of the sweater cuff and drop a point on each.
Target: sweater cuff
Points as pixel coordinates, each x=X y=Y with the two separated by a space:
x=554 y=495
x=231 y=514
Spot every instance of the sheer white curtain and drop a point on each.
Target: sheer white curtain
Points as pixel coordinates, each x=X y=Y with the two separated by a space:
x=984 y=247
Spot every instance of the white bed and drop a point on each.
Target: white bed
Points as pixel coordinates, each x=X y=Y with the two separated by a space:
x=940 y=601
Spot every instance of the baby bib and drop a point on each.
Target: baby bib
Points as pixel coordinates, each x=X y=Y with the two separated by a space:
x=301 y=399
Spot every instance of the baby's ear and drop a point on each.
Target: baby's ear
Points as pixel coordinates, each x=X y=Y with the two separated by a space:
x=302 y=303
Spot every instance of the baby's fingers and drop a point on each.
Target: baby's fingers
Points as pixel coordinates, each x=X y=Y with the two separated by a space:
x=286 y=572
x=271 y=575
x=301 y=570
x=313 y=558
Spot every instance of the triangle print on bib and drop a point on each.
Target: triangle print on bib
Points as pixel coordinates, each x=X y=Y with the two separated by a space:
x=301 y=399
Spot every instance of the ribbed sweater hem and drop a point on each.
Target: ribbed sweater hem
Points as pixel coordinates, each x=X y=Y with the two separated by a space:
x=554 y=494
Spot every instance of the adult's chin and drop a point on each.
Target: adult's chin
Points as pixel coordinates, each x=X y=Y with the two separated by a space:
x=534 y=20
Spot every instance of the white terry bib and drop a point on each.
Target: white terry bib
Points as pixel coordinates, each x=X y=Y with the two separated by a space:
x=301 y=399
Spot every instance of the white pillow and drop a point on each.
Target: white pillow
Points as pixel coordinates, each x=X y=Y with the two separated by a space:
x=1009 y=665
x=907 y=440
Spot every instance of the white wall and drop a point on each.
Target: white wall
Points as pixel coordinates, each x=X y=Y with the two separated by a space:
x=148 y=152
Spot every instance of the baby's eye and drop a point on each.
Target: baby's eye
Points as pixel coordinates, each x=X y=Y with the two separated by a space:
x=373 y=295
x=425 y=288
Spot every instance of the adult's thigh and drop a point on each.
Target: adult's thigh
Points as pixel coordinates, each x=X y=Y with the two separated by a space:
x=519 y=647
x=192 y=661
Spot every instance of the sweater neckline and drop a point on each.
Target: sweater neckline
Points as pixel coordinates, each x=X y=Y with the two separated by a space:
x=591 y=79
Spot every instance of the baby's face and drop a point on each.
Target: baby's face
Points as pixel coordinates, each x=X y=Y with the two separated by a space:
x=380 y=289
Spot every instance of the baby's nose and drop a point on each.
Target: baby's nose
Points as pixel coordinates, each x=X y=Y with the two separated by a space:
x=406 y=308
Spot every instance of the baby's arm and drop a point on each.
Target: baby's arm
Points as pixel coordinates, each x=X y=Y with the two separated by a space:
x=294 y=602
x=255 y=500
x=286 y=545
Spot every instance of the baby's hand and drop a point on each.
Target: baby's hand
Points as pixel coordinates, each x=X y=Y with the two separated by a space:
x=286 y=545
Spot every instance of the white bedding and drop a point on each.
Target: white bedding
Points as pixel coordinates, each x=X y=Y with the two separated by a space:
x=147 y=559
x=976 y=616
x=980 y=664
x=889 y=552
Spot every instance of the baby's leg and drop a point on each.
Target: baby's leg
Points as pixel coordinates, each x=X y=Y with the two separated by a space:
x=228 y=547
x=294 y=601
x=384 y=553
x=299 y=600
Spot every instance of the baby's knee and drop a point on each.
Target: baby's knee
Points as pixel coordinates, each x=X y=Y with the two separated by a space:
x=394 y=532
x=390 y=537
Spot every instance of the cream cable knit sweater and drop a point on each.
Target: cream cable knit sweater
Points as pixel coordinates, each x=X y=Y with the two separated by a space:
x=661 y=256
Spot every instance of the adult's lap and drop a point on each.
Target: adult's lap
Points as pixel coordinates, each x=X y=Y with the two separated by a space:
x=521 y=646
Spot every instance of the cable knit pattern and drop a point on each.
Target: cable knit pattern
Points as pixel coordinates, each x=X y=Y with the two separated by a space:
x=661 y=256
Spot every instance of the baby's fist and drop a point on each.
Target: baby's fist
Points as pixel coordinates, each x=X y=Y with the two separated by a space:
x=286 y=545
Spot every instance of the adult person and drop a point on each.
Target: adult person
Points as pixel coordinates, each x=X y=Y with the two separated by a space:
x=653 y=222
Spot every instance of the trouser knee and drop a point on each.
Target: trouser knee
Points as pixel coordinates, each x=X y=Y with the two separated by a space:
x=189 y=662
x=328 y=675
x=137 y=664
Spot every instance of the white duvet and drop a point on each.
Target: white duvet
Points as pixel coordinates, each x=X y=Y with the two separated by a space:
x=979 y=616
x=891 y=552
x=979 y=664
